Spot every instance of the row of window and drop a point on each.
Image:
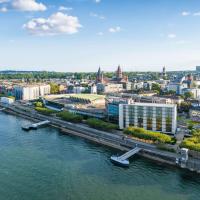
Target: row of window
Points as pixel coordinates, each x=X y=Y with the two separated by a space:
x=149 y=123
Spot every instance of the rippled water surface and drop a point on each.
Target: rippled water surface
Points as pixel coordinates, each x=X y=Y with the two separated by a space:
x=46 y=165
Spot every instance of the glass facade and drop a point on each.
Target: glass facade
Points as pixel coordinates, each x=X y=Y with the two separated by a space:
x=168 y=116
x=113 y=112
x=140 y=115
x=149 y=115
x=158 y=119
x=132 y=116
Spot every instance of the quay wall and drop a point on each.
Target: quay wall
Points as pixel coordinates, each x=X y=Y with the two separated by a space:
x=105 y=138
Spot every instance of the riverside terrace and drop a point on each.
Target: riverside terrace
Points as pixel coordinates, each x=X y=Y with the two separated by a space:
x=109 y=139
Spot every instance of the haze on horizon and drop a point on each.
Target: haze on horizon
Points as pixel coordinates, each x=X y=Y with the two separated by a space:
x=81 y=35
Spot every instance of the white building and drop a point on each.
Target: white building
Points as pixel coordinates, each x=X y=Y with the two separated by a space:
x=78 y=89
x=194 y=91
x=31 y=92
x=93 y=89
x=44 y=90
x=109 y=87
x=150 y=116
x=177 y=85
x=6 y=100
x=137 y=85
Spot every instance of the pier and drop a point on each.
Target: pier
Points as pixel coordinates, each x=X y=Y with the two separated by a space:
x=35 y=125
x=123 y=159
x=2 y=109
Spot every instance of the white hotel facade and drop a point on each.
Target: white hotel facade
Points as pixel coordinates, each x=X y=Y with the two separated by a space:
x=150 y=116
x=31 y=92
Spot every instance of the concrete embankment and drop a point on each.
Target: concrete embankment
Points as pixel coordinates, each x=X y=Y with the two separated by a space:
x=113 y=140
x=109 y=139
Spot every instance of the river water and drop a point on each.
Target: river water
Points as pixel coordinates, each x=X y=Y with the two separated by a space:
x=43 y=164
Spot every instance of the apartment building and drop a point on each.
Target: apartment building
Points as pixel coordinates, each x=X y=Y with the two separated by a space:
x=30 y=92
x=150 y=116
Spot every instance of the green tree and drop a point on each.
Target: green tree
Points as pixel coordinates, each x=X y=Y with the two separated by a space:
x=156 y=87
x=39 y=104
x=101 y=125
x=54 y=88
x=188 y=95
x=184 y=106
x=67 y=116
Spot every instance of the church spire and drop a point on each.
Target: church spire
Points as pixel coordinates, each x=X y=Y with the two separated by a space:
x=119 y=73
x=99 y=76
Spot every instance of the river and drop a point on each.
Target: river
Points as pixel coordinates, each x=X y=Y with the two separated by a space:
x=44 y=164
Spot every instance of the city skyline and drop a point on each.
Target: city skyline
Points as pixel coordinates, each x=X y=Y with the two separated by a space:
x=80 y=35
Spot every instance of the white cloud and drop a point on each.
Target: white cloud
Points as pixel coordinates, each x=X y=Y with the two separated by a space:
x=185 y=13
x=171 y=35
x=63 y=8
x=114 y=29
x=3 y=9
x=97 y=1
x=58 y=23
x=28 y=5
x=97 y=15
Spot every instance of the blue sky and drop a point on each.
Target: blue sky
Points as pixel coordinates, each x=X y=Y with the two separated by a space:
x=80 y=35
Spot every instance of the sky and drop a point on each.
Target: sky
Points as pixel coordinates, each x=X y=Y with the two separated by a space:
x=81 y=35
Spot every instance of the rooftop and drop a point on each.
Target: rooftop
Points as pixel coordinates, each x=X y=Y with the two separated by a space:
x=91 y=97
x=153 y=104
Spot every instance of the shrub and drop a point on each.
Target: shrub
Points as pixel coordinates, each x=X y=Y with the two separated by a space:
x=196 y=132
x=39 y=104
x=192 y=143
x=45 y=111
x=101 y=125
x=67 y=116
x=148 y=135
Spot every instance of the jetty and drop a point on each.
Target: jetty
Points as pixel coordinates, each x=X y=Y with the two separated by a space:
x=123 y=159
x=35 y=125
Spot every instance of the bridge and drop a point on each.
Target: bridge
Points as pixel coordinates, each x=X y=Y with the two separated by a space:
x=35 y=125
x=123 y=159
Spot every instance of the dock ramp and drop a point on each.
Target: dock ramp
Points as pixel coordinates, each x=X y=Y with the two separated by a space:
x=123 y=159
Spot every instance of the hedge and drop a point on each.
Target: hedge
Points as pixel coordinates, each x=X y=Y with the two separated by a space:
x=67 y=116
x=45 y=111
x=101 y=125
x=141 y=133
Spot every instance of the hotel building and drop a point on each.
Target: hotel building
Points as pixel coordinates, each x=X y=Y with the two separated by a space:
x=150 y=116
x=31 y=92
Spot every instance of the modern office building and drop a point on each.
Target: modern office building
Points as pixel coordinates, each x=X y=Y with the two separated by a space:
x=150 y=116
x=112 y=107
